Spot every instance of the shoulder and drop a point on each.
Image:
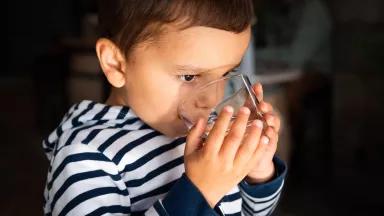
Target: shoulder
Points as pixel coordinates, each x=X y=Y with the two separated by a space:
x=121 y=145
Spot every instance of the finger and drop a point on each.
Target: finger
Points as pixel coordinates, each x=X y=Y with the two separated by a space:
x=277 y=123
x=258 y=89
x=271 y=147
x=265 y=107
x=269 y=119
x=249 y=144
x=233 y=139
x=267 y=144
x=219 y=130
x=272 y=120
x=194 y=139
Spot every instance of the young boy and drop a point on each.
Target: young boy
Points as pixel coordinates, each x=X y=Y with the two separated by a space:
x=127 y=156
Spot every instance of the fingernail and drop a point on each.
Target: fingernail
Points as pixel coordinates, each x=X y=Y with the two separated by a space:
x=259 y=124
x=245 y=110
x=228 y=109
x=271 y=119
x=264 y=140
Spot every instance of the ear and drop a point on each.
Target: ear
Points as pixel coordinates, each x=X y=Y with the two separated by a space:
x=112 y=62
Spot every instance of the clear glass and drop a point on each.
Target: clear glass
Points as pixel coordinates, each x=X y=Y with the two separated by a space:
x=209 y=99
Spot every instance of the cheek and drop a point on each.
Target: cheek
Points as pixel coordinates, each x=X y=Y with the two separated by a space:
x=162 y=95
x=166 y=98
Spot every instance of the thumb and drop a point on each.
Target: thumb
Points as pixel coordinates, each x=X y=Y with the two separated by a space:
x=194 y=139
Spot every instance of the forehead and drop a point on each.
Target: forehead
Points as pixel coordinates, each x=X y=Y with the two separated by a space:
x=203 y=47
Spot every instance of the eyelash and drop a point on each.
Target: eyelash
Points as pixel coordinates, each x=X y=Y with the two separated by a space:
x=182 y=77
x=234 y=70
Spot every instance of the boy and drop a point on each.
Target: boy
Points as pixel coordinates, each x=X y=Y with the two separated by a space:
x=127 y=157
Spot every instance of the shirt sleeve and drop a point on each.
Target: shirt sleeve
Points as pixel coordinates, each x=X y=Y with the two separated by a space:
x=83 y=181
x=262 y=199
x=183 y=199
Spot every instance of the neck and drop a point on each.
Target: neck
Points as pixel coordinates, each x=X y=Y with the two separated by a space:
x=115 y=98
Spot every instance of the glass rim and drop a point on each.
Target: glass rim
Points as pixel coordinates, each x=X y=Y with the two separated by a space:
x=221 y=79
x=244 y=79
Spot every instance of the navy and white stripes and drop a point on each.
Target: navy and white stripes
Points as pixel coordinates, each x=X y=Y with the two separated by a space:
x=105 y=160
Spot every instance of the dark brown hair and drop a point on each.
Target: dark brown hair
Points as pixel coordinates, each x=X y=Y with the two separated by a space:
x=130 y=22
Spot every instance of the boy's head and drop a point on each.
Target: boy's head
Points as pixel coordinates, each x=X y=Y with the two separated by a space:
x=154 y=52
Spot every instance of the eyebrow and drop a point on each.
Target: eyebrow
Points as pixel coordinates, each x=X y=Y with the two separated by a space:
x=195 y=70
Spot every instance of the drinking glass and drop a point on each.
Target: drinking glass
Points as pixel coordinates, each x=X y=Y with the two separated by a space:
x=208 y=100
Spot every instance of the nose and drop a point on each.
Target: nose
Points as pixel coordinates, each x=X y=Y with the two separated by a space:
x=209 y=97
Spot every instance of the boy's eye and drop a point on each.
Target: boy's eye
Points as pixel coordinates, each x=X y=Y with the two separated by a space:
x=188 y=78
x=231 y=72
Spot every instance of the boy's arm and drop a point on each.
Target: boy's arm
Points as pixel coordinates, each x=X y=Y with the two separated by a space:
x=261 y=199
x=84 y=181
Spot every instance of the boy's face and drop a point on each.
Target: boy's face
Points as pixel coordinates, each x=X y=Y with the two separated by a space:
x=160 y=75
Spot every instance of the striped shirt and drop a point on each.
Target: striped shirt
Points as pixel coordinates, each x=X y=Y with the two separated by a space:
x=105 y=161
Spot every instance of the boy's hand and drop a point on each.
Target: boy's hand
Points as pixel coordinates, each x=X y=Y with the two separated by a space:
x=263 y=169
x=225 y=158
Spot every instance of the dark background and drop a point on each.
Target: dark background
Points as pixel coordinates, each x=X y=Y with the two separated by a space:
x=345 y=179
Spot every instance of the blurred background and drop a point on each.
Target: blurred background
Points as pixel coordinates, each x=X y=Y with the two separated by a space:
x=321 y=63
